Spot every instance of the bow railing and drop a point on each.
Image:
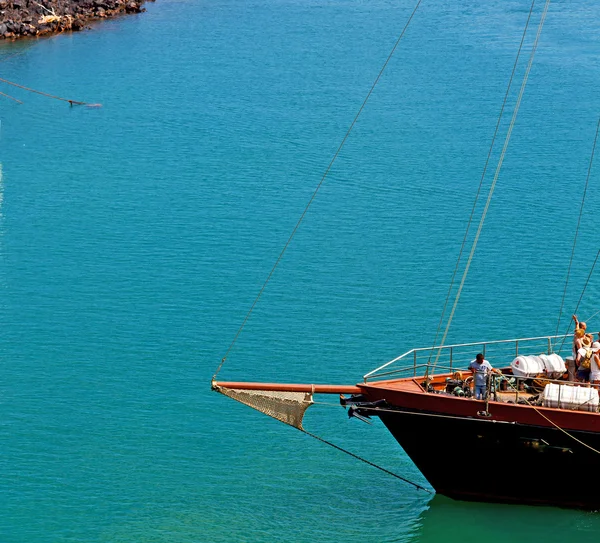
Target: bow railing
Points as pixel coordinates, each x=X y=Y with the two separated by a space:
x=449 y=358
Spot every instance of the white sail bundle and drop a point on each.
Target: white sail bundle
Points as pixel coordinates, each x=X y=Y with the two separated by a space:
x=546 y=365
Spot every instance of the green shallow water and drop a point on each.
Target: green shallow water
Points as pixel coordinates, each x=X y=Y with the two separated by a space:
x=134 y=238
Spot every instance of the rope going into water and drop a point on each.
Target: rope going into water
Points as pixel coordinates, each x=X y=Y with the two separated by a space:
x=587 y=180
x=72 y=102
x=417 y=486
x=312 y=198
x=5 y=58
x=485 y=167
x=495 y=179
x=11 y=97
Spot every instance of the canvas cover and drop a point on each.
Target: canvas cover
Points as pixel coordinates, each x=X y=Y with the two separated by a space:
x=548 y=365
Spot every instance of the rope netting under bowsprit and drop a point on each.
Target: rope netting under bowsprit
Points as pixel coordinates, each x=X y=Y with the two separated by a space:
x=288 y=407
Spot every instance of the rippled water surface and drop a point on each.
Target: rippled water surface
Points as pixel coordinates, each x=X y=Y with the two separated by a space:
x=135 y=237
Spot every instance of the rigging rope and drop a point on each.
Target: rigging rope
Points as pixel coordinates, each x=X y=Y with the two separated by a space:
x=327 y=170
x=495 y=179
x=582 y=293
x=464 y=241
x=587 y=180
x=590 y=318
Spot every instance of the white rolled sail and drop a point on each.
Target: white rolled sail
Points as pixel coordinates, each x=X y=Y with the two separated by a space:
x=555 y=365
x=548 y=365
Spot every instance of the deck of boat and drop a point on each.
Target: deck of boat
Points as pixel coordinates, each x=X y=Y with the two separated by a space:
x=402 y=385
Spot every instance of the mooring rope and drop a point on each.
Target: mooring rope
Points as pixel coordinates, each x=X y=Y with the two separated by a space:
x=72 y=102
x=16 y=54
x=495 y=179
x=312 y=198
x=11 y=97
x=587 y=180
x=417 y=486
x=485 y=167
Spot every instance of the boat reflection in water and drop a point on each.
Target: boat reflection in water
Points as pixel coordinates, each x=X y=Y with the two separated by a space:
x=452 y=521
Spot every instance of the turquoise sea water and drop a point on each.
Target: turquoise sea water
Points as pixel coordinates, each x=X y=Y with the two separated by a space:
x=134 y=238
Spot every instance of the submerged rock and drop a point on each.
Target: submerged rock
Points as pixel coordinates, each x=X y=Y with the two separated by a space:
x=26 y=18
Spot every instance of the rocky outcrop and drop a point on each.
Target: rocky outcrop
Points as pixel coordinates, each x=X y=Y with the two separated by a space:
x=29 y=18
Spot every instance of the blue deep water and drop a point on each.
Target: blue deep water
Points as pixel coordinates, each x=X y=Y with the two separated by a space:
x=135 y=237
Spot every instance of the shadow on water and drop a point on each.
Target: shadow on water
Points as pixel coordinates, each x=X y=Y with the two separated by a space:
x=449 y=520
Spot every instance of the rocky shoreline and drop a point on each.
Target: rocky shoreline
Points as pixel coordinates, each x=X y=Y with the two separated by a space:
x=30 y=18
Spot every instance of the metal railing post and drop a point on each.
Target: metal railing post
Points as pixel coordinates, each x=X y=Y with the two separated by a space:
x=414 y=363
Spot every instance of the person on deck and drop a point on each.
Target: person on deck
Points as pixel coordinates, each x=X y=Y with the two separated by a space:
x=595 y=364
x=580 y=330
x=583 y=360
x=578 y=337
x=481 y=368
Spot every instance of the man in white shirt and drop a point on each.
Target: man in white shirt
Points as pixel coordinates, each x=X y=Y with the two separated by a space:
x=481 y=368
